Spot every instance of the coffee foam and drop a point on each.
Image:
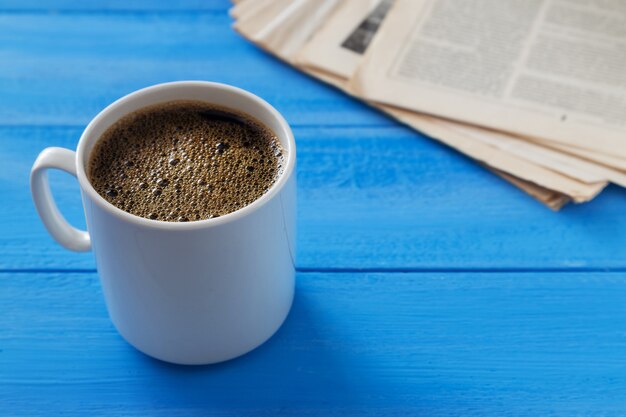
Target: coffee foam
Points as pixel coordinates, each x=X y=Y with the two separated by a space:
x=185 y=161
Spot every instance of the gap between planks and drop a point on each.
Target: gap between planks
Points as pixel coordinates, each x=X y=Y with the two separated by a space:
x=129 y=12
x=332 y=270
x=391 y=125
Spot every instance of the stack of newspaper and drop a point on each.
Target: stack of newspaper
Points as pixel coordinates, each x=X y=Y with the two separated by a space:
x=535 y=90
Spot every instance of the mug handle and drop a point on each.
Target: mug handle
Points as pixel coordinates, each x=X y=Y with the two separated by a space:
x=67 y=235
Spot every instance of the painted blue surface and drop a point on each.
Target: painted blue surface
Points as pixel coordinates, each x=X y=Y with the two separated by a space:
x=426 y=286
x=431 y=344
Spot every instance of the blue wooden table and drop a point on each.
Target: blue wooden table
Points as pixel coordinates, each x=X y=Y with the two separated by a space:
x=426 y=285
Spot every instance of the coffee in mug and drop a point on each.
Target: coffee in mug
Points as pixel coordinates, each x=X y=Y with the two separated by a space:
x=185 y=161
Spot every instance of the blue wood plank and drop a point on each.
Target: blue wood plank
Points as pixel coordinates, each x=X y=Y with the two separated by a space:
x=103 y=6
x=62 y=69
x=354 y=344
x=381 y=198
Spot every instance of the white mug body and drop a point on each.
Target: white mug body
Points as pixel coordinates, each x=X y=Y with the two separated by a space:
x=196 y=292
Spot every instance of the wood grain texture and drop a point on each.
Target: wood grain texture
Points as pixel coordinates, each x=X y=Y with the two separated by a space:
x=120 y=6
x=65 y=68
x=368 y=344
x=369 y=198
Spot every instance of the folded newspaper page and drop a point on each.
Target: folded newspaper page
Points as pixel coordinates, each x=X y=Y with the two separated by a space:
x=250 y=30
x=285 y=25
x=610 y=161
x=339 y=45
x=255 y=15
x=337 y=49
x=591 y=174
x=499 y=161
x=553 y=200
x=578 y=191
x=549 y=69
x=504 y=161
x=244 y=8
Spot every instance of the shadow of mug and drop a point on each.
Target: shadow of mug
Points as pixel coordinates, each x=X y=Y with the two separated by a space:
x=298 y=369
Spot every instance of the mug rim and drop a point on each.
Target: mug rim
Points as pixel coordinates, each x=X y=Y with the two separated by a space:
x=278 y=185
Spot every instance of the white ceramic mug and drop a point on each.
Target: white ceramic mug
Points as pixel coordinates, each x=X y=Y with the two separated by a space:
x=190 y=293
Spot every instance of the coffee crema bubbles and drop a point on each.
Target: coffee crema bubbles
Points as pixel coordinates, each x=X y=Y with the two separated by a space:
x=184 y=161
